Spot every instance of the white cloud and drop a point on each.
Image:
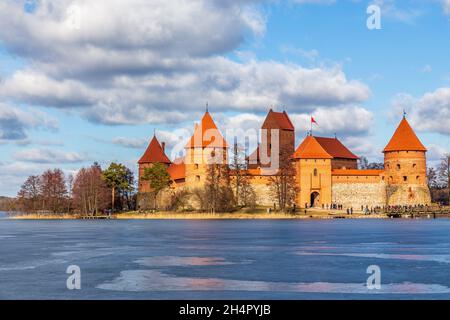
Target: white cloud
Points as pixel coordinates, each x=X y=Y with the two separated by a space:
x=427 y=69
x=156 y=61
x=134 y=143
x=406 y=14
x=48 y=156
x=345 y=121
x=15 y=123
x=430 y=113
x=436 y=152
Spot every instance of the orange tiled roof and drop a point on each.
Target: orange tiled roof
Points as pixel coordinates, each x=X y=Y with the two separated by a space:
x=355 y=172
x=154 y=153
x=404 y=139
x=207 y=135
x=311 y=149
x=177 y=170
x=281 y=118
x=335 y=148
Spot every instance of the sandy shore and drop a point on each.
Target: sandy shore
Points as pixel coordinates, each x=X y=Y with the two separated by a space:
x=208 y=216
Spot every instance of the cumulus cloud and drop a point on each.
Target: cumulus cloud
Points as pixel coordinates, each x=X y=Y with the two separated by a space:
x=430 y=113
x=349 y=120
x=15 y=123
x=135 y=143
x=436 y=152
x=48 y=156
x=155 y=61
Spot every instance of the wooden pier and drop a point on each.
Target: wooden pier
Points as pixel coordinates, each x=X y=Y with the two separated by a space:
x=102 y=217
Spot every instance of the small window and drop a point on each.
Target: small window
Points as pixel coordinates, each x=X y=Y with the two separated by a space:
x=197 y=178
x=417 y=178
x=398 y=167
x=391 y=179
x=414 y=165
x=315 y=172
x=405 y=178
x=196 y=166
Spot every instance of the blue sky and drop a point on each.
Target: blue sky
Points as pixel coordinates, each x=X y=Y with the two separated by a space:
x=84 y=82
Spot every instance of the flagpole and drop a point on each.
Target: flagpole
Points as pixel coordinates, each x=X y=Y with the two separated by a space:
x=311 y=126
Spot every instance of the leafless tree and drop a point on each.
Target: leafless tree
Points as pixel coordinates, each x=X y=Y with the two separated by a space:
x=90 y=193
x=282 y=182
x=29 y=194
x=444 y=174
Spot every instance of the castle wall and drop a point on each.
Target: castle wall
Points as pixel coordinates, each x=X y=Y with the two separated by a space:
x=263 y=192
x=353 y=193
x=344 y=163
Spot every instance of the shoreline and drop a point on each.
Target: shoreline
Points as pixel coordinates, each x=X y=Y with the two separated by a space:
x=314 y=215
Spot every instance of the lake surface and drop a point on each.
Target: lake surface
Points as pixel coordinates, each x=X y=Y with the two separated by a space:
x=248 y=259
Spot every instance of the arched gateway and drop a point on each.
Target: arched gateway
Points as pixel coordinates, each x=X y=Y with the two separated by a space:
x=315 y=199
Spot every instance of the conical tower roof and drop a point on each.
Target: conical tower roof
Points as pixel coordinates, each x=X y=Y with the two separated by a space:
x=207 y=135
x=404 y=139
x=154 y=153
x=310 y=148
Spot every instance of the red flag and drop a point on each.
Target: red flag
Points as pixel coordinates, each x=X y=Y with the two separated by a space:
x=314 y=120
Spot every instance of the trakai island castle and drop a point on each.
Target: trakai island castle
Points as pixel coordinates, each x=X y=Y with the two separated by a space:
x=326 y=171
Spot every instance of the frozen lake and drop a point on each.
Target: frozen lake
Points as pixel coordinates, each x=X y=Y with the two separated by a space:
x=246 y=259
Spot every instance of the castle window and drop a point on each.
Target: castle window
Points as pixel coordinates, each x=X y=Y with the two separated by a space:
x=196 y=166
x=405 y=178
x=391 y=179
x=197 y=178
x=414 y=165
x=398 y=167
x=315 y=172
x=417 y=178
x=382 y=178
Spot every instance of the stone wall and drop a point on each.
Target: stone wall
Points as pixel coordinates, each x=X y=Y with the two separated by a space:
x=359 y=194
x=408 y=195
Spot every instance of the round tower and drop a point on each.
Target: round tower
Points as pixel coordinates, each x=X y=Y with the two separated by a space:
x=406 y=168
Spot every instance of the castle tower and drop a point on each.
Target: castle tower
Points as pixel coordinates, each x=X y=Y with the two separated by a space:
x=285 y=141
x=313 y=173
x=405 y=168
x=206 y=146
x=154 y=153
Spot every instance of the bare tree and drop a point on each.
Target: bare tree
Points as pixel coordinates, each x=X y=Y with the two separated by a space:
x=90 y=192
x=432 y=178
x=282 y=183
x=243 y=190
x=218 y=192
x=444 y=174
x=53 y=191
x=29 y=194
